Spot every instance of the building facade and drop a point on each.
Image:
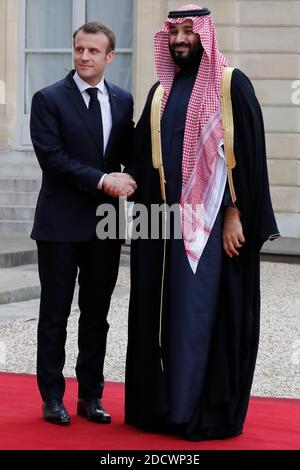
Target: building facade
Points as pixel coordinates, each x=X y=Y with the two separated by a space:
x=262 y=38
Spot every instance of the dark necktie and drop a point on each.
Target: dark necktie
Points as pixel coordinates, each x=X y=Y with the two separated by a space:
x=95 y=114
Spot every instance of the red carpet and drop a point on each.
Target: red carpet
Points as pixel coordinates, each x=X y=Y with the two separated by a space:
x=272 y=424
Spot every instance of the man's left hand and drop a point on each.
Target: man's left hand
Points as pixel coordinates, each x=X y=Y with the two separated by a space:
x=233 y=237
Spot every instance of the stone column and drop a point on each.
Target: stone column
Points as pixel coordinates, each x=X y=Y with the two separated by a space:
x=149 y=16
x=2 y=71
x=8 y=72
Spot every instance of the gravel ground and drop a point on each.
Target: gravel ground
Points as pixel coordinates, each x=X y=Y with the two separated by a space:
x=278 y=364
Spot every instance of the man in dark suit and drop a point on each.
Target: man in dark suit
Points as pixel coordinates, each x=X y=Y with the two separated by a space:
x=81 y=130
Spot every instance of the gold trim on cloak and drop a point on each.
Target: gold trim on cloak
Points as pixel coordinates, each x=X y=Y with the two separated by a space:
x=158 y=164
x=156 y=138
x=228 y=127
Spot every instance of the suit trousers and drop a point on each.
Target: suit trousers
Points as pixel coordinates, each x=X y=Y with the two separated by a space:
x=97 y=263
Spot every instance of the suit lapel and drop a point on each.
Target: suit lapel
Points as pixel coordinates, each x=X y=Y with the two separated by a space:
x=78 y=102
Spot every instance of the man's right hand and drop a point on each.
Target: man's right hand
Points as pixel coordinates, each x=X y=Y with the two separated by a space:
x=118 y=185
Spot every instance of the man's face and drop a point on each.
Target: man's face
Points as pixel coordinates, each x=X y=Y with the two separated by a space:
x=185 y=46
x=91 y=57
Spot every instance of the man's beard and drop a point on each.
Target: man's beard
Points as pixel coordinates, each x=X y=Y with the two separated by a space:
x=190 y=60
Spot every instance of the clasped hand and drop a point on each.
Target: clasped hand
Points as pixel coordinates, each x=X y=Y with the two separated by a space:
x=119 y=185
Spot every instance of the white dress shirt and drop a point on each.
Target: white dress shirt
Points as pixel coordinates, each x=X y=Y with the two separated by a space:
x=103 y=98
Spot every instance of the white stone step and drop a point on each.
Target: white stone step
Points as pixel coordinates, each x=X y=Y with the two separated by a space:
x=11 y=198
x=14 y=164
x=15 y=226
x=20 y=184
x=19 y=284
x=15 y=157
x=17 y=213
x=27 y=171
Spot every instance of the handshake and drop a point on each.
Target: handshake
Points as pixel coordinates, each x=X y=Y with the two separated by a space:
x=118 y=185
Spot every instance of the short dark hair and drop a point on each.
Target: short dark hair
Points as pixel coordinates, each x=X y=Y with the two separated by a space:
x=96 y=27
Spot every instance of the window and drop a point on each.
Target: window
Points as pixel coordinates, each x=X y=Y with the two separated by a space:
x=46 y=28
x=48 y=44
x=118 y=15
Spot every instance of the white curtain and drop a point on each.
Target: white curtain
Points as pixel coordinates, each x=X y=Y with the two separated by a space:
x=48 y=26
x=43 y=70
x=118 y=15
x=119 y=72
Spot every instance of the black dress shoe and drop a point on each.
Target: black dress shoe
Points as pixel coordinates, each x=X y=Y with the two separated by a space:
x=55 y=412
x=93 y=410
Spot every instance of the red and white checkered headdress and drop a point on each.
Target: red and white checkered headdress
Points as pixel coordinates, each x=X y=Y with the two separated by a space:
x=203 y=127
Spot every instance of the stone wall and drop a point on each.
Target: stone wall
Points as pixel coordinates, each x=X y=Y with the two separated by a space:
x=8 y=73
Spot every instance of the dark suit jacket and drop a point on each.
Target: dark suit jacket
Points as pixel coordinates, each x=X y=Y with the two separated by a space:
x=70 y=157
